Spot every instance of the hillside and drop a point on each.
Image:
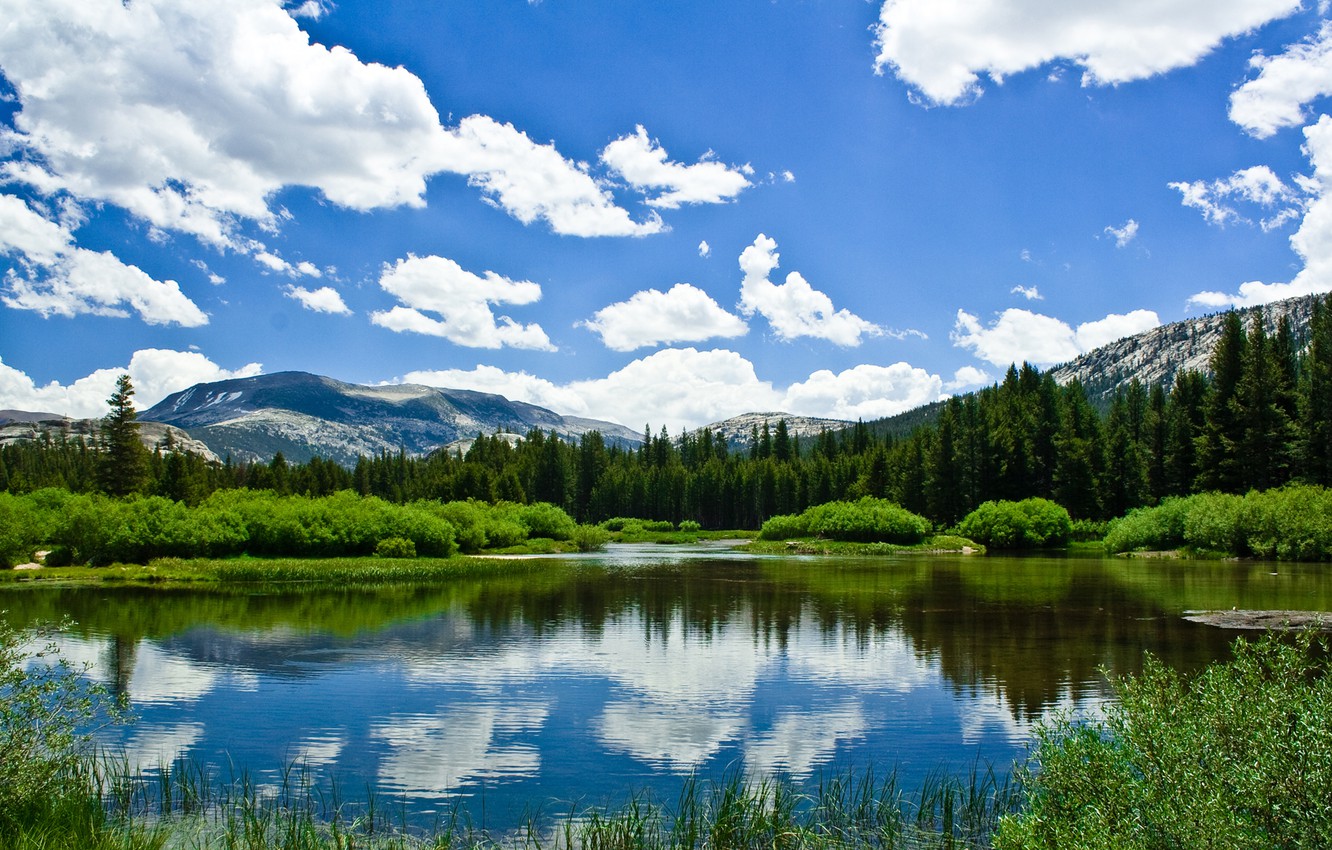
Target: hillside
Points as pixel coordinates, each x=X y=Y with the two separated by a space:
x=1155 y=356
x=739 y=430
x=303 y=415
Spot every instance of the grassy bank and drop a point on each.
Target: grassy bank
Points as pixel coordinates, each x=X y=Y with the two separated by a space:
x=215 y=571
x=937 y=544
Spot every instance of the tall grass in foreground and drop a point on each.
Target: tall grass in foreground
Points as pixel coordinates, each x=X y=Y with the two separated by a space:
x=185 y=808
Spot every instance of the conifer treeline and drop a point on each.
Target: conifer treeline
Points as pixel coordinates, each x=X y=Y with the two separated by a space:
x=1263 y=419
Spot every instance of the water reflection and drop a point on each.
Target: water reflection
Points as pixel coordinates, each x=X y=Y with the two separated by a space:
x=587 y=678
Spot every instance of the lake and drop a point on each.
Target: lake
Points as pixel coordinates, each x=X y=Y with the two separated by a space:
x=577 y=680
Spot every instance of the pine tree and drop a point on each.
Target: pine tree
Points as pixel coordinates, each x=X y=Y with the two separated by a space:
x=1218 y=458
x=124 y=463
x=1316 y=399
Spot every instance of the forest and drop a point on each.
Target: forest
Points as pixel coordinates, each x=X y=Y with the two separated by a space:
x=1262 y=419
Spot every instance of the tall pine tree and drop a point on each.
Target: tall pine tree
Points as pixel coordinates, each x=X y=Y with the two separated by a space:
x=124 y=463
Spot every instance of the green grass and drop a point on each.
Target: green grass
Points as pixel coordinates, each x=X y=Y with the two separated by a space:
x=212 y=571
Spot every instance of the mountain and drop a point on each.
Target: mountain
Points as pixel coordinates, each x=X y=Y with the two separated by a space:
x=739 y=430
x=1153 y=357
x=303 y=415
x=20 y=426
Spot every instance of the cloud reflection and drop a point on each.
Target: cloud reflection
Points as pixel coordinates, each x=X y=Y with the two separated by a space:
x=437 y=754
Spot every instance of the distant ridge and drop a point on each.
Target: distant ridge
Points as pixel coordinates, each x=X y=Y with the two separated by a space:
x=739 y=430
x=304 y=415
x=1155 y=356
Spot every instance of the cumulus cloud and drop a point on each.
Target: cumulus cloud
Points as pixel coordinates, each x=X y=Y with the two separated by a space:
x=1312 y=241
x=156 y=373
x=677 y=387
x=643 y=164
x=684 y=388
x=462 y=301
x=1030 y=293
x=1020 y=335
x=864 y=392
x=794 y=308
x=684 y=313
x=193 y=116
x=1123 y=234
x=1257 y=186
x=968 y=377
x=55 y=278
x=704 y=249
x=1285 y=84
x=325 y=299
x=531 y=181
x=941 y=47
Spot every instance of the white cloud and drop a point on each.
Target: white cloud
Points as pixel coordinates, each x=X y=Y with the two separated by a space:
x=1092 y=335
x=53 y=277
x=676 y=387
x=794 y=308
x=968 y=377
x=531 y=181
x=1123 y=234
x=1285 y=84
x=325 y=299
x=941 y=47
x=462 y=301
x=1020 y=335
x=193 y=116
x=683 y=388
x=864 y=392
x=1258 y=186
x=155 y=373
x=1312 y=241
x=1030 y=293
x=704 y=249
x=643 y=163
x=685 y=313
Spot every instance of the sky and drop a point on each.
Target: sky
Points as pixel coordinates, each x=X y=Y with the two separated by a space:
x=652 y=213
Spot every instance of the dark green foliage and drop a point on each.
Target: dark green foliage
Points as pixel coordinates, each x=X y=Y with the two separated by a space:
x=123 y=468
x=1239 y=756
x=1028 y=524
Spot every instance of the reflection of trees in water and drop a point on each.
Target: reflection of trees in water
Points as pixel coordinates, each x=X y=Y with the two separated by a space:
x=1034 y=655
x=1034 y=631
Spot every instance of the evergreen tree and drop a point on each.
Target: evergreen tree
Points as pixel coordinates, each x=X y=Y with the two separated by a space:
x=1265 y=430
x=1222 y=433
x=1315 y=449
x=1184 y=425
x=124 y=463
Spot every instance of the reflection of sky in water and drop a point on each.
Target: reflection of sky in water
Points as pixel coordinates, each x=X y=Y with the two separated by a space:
x=441 y=707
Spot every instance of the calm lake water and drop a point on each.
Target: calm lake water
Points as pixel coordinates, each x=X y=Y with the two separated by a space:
x=581 y=679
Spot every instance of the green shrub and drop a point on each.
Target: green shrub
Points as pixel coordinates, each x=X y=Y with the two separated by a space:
x=590 y=538
x=1212 y=522
x=47 y=715
x=395 y=547
x=542 y=519
x=784 y=527
x=1161 y=527
x=1028 y=524
x=867 y=520
x=691 y=526
x=658 y=525
x=1239 y=756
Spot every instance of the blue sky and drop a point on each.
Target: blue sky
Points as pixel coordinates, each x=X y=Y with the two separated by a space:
x=664 y=213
